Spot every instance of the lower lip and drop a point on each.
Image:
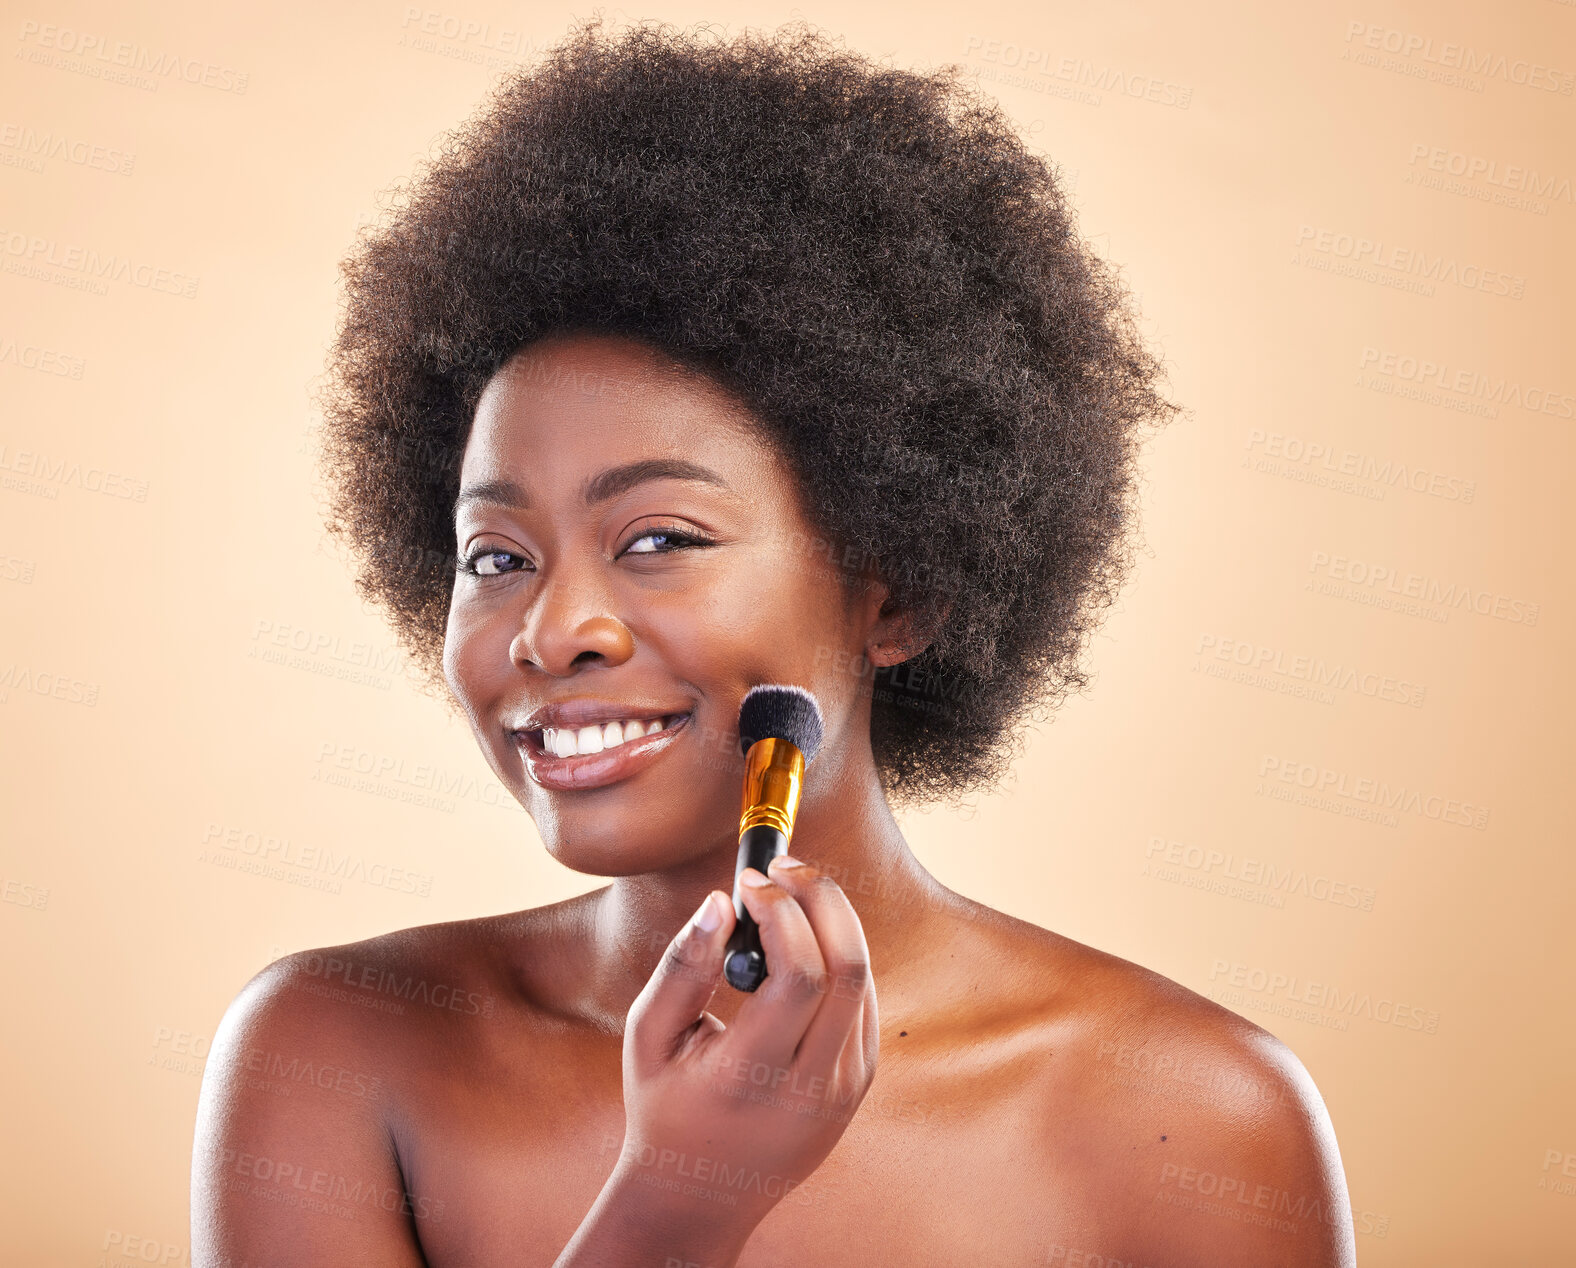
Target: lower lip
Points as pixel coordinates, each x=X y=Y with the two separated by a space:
x=597 y=770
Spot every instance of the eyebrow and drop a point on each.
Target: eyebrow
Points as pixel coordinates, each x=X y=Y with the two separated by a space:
x=602 y=487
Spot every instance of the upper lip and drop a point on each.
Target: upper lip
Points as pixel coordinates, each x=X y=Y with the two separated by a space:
x=590 y=711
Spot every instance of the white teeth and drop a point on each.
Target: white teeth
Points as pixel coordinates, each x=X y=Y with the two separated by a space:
x=566 y=742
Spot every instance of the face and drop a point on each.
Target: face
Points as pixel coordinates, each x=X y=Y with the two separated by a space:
x=633 y=558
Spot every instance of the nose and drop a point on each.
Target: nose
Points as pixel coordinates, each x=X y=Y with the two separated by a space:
x=569 y=624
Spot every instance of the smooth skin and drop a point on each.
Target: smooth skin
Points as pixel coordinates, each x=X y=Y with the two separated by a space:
x=575 y=1084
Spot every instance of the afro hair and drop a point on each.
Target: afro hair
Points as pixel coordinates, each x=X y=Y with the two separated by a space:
x=869 y=258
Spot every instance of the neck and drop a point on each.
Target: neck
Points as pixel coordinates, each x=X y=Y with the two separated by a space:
x=846 y=830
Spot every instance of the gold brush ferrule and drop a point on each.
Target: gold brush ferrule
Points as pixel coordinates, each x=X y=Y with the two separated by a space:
x=773 y=775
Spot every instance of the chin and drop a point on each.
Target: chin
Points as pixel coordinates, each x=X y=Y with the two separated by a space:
x=609 y=835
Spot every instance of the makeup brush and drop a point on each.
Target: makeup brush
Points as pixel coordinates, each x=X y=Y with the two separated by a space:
x=779 y=733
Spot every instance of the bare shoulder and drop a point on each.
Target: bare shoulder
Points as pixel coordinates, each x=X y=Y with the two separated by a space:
x=302 y=1133
x=1209 y=1136
x=419 y=974
x=342 y=1018
x=379 y=995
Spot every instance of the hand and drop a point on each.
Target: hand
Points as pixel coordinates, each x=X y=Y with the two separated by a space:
x=729 y=1119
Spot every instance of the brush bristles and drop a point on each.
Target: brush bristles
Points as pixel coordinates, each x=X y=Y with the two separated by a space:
x=783 y=712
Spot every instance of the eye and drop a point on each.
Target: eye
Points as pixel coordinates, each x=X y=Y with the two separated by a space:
x=489 y=563
x=671 y=539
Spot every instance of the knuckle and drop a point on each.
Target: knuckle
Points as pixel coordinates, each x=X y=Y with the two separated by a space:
x=852 y=976
x=816 y=980
x=766 y=897
x=634 y=1021
x=676 y=962
x=801 y=980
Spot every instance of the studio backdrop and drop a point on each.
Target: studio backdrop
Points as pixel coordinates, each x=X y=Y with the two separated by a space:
x=1321 y=771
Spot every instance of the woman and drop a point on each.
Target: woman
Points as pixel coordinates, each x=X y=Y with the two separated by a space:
x=690 y=366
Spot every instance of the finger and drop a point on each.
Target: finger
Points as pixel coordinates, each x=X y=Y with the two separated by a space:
x=864 y=1047
x=678 y=991
x=770 y=1024
x=856 y=1065
x=841 y=938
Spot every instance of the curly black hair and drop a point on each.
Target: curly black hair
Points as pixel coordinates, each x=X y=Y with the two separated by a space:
x=868 y=257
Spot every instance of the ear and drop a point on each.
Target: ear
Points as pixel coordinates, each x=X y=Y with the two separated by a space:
x=896 y=632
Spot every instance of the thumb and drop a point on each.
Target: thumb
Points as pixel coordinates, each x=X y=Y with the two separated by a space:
x=682 y=985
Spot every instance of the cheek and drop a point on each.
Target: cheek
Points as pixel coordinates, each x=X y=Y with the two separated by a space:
x=756 y=630
x=475 y=656
x=748 y=625
x=453 y=647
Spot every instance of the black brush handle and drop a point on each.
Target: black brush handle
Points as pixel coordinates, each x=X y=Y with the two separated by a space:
x=745 y=963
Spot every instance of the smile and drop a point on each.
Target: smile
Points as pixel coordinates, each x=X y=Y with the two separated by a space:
x=594 y=756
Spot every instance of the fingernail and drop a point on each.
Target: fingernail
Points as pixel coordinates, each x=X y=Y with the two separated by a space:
x=707 y=917
x=753 y=878
x=785 y=860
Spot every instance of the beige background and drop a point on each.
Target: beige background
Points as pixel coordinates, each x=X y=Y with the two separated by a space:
x=1311 y=206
